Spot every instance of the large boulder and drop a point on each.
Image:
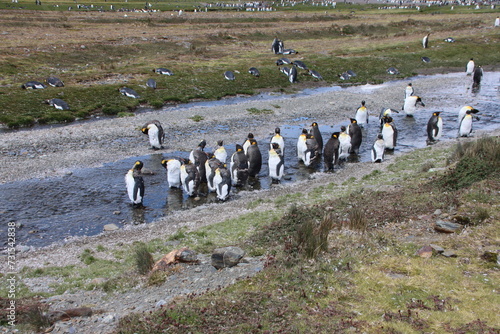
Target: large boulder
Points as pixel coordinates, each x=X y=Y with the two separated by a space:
x=227 y=257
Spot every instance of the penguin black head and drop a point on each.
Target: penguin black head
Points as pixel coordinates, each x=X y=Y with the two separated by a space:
x=202 y=144
x=145 y=130
x=304 y=131
x=239 y=148
x=436 y=113
x=379 y=136
x=275 y=146
x=335 y=134
x=220 y=142
x=138 y=165
x=277 y=131
x=164 y=163
x=314 y=124
x=353 y=121
x=342 y=128
x=250 y=136
x=363 y=103
x=410 y=84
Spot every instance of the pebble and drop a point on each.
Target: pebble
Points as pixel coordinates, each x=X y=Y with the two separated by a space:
x=110 y=227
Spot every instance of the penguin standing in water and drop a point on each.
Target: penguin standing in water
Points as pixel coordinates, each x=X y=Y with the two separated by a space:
x=190 y=179
x=410 y=105
x=463 y=111
x=173 y=167
x=135 y=184
x=389 y=133
x=409 y=91
x=469 y=69
x=362 y=115
x=222 y=182
x=276 y=163
x=302 y=146
x=354 y=130
x=331 y=151
x=477 y=77
x=220 y=152
x=198 y=157
x=246 y=144
x=434 y=127
x=345 y=143
x=386 y=112
x=155 y=132
x=317 y=135
x=254 y=158
x=277 y=138
x=378 y=149
x=211 y=166
x=465 y=128
x=239 y=166
x=312 y=149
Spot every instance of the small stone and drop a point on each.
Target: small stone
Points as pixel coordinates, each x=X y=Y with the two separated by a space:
x=425 y=252
x=437 y=249
x=227 y=257
x=449 y=253
x=117 y=212
x=160 y=303
x=447 y=227
x=108 y=319
x=437 y=212
x=110 y=227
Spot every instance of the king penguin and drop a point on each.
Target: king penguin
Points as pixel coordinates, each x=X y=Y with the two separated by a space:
x=386 y=112
x=301 y=145
x=331 y=151
x=155 y=132
x=345 y=143
x=312 y=151
x=409 y=91
x=410 y=105
x=220 y=152
x=173 y=167
x=277 y=138
x=354 y=130
x=378 y=149
x=434 y=127
x=466 y=124
x=463 y=111
x=317 y=135
x=425 y=41
x=276 y=163
x=254 y=158
x=246 y=144
x=211 y=166
x=469 y=69
x=362 y=115
x=222 y=182
x=190 y=179
x=239 y=166
x=198 y=157
x=135 y=184
x=389 y=133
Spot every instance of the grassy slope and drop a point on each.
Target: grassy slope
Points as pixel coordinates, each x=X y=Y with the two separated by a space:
x=95 y=54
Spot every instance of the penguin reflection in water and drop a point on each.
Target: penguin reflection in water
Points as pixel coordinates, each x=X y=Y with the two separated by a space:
x=434 y=127
x=135 y=184
x=155 y=132
x=276 y=163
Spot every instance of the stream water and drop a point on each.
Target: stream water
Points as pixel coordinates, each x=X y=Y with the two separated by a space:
x=53 y=209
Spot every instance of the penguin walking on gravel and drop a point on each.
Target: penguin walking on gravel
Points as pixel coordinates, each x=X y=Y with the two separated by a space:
x=173 y=167
x=345 y=143
x=222 y=182
x=434 y=127
x=362 y=115
x=276 y=163
x=239 y=166
x=302 y=146
x=331 y=151
x=378 y=149
x=211 y=166
x=190 y=179
x=156 y=134
x=317 y=135
x=198 y=157
x=135 y=184
x=389 y=133
x=254 y=158
x=354 y=130
x=410 y=105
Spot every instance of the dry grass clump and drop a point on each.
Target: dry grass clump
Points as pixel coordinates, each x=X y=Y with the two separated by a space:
x=143 y=259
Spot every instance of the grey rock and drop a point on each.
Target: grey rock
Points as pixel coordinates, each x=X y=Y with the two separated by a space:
x=160 y=303
x=449 y=253
x=447 y=227
x=227 y=257
x=437 y=249
x=110 y=227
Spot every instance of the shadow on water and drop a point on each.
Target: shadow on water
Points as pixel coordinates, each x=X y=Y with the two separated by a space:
x=81 y=203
